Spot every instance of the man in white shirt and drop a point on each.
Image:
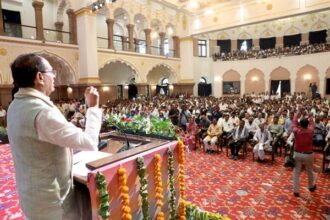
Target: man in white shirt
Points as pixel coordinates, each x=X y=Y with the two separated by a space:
x=42 y=141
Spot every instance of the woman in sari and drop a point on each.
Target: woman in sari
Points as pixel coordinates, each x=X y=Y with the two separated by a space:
x=191 y=132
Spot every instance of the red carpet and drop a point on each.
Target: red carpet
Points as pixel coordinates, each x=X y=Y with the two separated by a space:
x=244 y=189
x=239 y=189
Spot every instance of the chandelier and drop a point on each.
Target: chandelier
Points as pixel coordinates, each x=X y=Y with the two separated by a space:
x=193 y=4
x=100 y=4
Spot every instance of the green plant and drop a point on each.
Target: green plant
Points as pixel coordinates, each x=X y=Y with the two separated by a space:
x=3 y=131
x=104 y=205
x=143 y=188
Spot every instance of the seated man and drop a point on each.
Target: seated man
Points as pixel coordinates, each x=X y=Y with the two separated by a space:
x=227 y=126
x=240 y=134
x=263 y=139
x=276 y=130
x=213 y=132
x=252 y=127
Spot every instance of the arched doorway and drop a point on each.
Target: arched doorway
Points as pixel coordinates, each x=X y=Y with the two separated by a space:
x=255 y=81
x=280 y=81
x=305 y=76
x=231 y=83
x=117 y=75
x=161 y=76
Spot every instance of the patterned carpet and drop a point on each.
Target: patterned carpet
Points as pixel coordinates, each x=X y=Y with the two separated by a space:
x=244 y=189
x=240 y=189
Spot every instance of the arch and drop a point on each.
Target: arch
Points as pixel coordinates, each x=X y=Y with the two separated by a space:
x=319 y=26
x=156 y=25
x=223 y=36
x=119 y=29
x=126 y=71
x=60 y=9
x=170 y=30
x=65 y=73
x=292 y=31
x=244 y=36
x=255 y=81
x=159 y=71
x=203 y=79
x=280 y=73
x=267 y=34
x=231 y=75
x=121 y=16
x=306 y=75
x=140 y=22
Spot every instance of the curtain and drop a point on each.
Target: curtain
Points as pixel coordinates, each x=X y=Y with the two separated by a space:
x=267 y=43
x=292 y=40
x=204 y=89
x=248 y=43
x=225 y=46
x=317 y=37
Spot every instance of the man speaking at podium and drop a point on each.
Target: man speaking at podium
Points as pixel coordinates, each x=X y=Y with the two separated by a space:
x=42 y=141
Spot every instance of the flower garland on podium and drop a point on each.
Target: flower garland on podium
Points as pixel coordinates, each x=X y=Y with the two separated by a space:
x=101 y=186
x=126 y=210
x=158 y=186
x=171 y=183
x=182 y=207
x=143 y=188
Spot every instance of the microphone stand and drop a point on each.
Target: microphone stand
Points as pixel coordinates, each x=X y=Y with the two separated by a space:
x=122 y=132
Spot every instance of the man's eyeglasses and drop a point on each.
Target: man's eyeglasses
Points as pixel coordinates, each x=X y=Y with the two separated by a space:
x=53 y=72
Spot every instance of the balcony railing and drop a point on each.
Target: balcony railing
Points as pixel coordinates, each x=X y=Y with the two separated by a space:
x=139 y=46
x=29 y=32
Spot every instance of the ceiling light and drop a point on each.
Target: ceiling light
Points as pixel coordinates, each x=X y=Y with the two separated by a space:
x=100 y=4
x=193 y=4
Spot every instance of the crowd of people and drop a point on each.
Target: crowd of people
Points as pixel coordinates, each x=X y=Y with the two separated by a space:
x=254 y=53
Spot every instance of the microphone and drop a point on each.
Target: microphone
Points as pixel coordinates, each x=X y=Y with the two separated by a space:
x=127 y=147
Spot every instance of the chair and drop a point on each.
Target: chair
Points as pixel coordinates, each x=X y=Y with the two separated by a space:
x=223 y=141
x=326 y=156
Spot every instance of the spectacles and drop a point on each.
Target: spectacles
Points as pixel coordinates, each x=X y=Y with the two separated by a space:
x=53 y=72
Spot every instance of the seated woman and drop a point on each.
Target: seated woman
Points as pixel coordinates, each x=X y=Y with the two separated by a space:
x=191 y=132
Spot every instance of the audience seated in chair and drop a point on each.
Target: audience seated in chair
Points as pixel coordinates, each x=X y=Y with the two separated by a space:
x=263 y=139
x=319 y=133
x=276 y=130
x=240 y=135
x=213 y=132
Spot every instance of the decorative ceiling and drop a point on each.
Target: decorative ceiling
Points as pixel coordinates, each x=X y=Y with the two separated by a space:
x=195 y=5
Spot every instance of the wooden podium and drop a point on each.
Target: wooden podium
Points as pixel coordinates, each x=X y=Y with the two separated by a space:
x=109 y=166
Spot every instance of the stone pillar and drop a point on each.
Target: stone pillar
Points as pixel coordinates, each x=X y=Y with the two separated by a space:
x=304 y=38
x=292 y=83
x=37 y=5
x=328 y=36
x=2 y=29
x=279 y=42
x=176 y=46
x=110 y=23
x=212 y=44
x=267 y=83
x=255 y=43
x=72 y=26
x=162 y=40
x=87 y=41
x=233 y=45
x=147 y=32
x=59 y=29
x=130 y=28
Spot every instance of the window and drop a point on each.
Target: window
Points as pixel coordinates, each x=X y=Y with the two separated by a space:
x=141 y=47
x=244 y=46
x=166 y=47
x=164 y=82
x=203 y=80
x=202 y=51
x=231 y=87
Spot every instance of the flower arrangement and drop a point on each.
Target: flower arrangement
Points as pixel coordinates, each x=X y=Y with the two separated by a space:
x=143 y=188
x=162 y=128
x=126 y=210
x=171 y=183
x=158 y=186
x=181 y=169
x=194 y=213
x=101 y=186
